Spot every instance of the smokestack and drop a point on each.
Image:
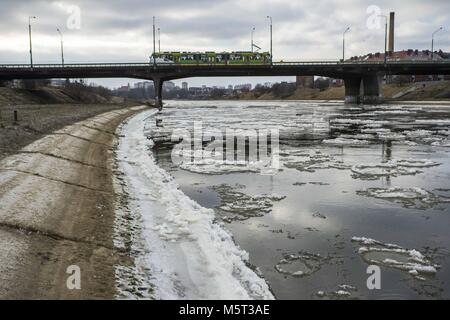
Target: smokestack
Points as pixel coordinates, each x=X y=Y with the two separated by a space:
x=391 y=32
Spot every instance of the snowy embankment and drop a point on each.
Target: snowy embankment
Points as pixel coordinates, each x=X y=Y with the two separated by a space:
x=189 y=255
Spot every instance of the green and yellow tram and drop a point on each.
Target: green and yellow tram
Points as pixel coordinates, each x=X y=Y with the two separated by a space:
x=213 y=58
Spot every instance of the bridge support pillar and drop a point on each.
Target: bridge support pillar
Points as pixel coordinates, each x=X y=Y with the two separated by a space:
x=372 y=90
x=352 y=90
x=158 y=84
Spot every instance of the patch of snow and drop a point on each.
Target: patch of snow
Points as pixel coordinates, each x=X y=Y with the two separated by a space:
x=189 y=255
x=346 y=142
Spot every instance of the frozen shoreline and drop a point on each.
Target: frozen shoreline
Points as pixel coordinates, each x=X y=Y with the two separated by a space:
x=188 y=254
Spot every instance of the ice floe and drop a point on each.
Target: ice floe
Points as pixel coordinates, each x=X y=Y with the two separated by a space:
x=408 y=197
x=343 y=291
x=412 y=261
x=346 y=142
x=311 y=161
x=236 y=205
x=441 y=143
x=394 y=168
x=302 y=264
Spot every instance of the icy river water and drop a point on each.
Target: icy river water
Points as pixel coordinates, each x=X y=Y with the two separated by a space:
x=356 y=186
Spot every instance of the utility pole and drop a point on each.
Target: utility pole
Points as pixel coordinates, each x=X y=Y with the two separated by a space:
x=31 y=45
x=271 y=42
x=154 y=43
x=62 y=46
x=253 y=30
x=343 y=43
x=432 y=41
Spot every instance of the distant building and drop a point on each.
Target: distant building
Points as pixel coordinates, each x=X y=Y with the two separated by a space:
x=139 y=85
x=243 y=87
x=169 y=85
x=304 y=81
x=124 y=88
x=148 y=85
x=195 y=91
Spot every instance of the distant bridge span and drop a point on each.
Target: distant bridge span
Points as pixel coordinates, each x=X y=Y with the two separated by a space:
x=353 y=73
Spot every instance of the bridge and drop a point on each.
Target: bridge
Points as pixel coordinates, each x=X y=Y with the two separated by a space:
x=362 y=78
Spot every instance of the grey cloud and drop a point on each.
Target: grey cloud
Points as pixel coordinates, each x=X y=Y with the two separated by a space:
x=121 y=30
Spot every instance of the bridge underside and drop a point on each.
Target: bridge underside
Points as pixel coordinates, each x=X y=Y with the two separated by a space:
x=362 y=80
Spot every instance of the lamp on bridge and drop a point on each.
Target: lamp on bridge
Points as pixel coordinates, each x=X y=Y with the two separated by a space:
x=271 y=51
x=159 y=40
x=62 y=46
x=31 y=45
x=432 y=41
x=343 y=43
x=154 y=42
x=385 y=37
x=253 y=31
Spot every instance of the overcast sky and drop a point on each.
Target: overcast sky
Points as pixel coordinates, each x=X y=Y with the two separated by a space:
x=121 y=31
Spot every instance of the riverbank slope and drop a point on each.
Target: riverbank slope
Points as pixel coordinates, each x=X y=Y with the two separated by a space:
x=57 y=210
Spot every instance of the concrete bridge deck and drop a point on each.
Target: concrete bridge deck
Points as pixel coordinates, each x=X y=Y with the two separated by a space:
x=362 y=78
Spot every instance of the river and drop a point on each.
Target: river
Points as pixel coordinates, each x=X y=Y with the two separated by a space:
x=355 y=186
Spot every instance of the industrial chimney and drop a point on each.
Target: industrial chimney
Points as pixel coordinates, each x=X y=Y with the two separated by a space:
x=391 y=32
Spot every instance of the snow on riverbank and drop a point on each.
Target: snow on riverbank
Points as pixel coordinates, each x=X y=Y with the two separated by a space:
x=189 y=255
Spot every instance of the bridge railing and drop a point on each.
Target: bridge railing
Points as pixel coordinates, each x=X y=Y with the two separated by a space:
x=358 y=62
x=275 y=63
x=73 y=65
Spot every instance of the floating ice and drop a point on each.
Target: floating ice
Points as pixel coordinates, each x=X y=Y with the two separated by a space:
x=392 y=112
x=418 y=133
x=391 y=136
x=408 y=197
x=301 y=265
x=211 y=166
x=359 y=122
x=393 y=168
x=236 y=205
x=376 y=131
x=394 y=256
x=312 y=161
x=346 y=142
x=442 y=143
x=344 y=291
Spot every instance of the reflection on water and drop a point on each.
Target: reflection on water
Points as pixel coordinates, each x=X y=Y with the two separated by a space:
x=372 y=172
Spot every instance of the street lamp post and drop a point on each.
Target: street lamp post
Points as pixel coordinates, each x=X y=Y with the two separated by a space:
x=432 y=41
x=385 y=37
x=62 y=46
x=29 y=34
x=343 y=43
x=271 y=42
x=252 y=45
x=154 y=43
x=159 y=40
